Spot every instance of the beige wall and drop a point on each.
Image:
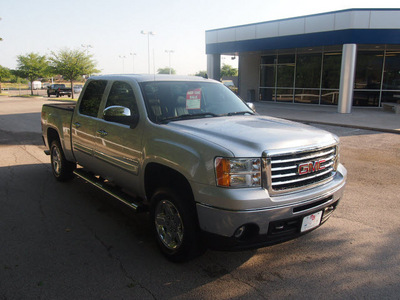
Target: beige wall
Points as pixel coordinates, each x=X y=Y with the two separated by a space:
x=249 y=75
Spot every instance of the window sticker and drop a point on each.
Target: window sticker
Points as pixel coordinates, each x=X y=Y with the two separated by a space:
x=193 y=99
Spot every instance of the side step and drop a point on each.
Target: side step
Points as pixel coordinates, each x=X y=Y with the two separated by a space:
x=114 y=192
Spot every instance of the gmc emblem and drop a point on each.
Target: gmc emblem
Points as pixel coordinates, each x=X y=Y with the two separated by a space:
x=310 y=167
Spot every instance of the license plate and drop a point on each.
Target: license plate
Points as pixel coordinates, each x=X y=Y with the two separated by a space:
x=311 y=221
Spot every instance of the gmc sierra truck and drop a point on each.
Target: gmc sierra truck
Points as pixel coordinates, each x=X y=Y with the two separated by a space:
x=209 y=170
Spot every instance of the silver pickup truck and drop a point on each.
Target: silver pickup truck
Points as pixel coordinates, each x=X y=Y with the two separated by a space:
x=209 y=170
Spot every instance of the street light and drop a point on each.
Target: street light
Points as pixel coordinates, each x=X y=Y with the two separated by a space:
x=148 y=33
x=133 y=61
x=169 y=58
x=123 y=58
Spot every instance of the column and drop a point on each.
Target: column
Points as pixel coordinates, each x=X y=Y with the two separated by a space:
x=214 y=66
x=347 y=74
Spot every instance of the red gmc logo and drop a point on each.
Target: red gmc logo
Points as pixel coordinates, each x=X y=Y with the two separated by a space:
x=310 y=167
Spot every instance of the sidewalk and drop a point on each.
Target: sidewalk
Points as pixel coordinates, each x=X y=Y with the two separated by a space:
x=364 y=118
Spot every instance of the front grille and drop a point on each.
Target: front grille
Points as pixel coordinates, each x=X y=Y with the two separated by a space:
x=287 y=172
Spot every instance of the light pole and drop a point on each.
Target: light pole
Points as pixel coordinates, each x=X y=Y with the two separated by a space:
x=169 y=59
x=148 y=33
x=123 y=66
x=133 y=61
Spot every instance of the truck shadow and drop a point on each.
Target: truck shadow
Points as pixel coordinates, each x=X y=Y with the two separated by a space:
x=73 y=230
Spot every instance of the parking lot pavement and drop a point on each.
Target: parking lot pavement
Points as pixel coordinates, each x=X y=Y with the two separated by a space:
x=71 y=241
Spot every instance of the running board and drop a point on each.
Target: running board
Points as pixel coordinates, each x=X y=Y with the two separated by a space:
x=114 y=192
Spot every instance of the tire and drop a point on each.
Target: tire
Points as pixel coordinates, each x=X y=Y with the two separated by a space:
x=62 y=168
x=175 y=225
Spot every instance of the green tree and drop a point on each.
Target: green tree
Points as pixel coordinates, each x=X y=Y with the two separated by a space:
x=201 y=74
x=4 y=73
x=72 y=65
x=228 y=71
x=32 y=66
x=166 y=71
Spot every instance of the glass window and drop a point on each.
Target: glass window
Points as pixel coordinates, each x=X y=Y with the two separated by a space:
x=306 y=96
x=121 y=94
x=391 y=96
x=331 y=70
x=391 y=79
x=329 y=97
x=284 y=95
x=268 y=60
x=308 y=70
x=91 y=100
x=369 y=69
x=286 y=59
x=366 y=98
x=267 y=94
x=285 y=75
x=267 y=76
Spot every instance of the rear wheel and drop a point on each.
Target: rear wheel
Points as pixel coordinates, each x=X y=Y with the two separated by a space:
x=62 y=168
x=175 y=225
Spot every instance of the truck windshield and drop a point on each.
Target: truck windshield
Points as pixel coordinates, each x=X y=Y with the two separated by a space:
x=168 y=101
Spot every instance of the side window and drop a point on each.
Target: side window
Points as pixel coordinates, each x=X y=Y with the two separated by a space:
x=121 y=94
x=91 y=100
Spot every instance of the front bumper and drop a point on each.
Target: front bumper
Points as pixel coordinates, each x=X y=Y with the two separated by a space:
x=269 y=225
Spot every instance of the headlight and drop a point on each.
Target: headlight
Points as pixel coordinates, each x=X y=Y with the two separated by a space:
x=238 y=172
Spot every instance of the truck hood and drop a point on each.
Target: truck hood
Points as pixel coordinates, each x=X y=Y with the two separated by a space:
x=249 y=136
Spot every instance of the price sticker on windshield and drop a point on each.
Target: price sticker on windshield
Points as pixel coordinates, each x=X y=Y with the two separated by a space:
x=193 y=99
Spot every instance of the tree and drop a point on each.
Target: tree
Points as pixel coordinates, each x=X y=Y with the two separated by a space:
x=72 y=65
x=4 y=73
x=201 y=74
x=32 y=67
x=228 y=71
x=166 y=71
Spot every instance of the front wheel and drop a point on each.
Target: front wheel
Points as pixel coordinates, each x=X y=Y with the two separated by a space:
x=175 y=225
x=62 y=168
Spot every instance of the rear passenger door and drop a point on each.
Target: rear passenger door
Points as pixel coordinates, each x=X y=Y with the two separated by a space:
x=84 y=124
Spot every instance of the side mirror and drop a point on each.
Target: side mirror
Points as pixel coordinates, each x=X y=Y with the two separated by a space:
x=251 y=105
x=120 y=114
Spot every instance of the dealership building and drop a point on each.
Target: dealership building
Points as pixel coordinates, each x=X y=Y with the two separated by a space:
x=344 y=58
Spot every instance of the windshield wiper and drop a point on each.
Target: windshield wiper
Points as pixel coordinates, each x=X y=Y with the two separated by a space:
x=188 y=116
x=240 y=113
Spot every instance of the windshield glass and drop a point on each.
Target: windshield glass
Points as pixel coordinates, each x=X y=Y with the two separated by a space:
x=171 y=100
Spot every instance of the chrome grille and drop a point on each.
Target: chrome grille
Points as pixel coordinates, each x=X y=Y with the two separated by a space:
x=286 y=172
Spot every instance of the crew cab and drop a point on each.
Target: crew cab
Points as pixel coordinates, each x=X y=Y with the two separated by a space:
x=58 y=90
x=210 y=171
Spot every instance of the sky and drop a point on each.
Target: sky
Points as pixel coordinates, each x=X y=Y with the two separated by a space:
x=112 y=28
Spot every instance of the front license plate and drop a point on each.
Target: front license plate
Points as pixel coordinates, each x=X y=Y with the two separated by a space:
x=311 y=221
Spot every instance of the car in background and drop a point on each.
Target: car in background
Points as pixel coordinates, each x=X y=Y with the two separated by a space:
x=78 y=88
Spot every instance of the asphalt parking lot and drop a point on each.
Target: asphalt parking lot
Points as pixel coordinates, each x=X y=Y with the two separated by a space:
x=71 y=241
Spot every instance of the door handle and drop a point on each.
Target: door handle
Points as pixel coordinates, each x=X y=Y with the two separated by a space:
x=77 y=124
x=102 y=132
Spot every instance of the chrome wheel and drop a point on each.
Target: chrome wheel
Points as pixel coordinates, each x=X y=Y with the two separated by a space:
x=169 y=224
x=56 y=160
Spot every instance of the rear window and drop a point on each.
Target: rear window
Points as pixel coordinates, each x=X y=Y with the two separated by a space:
x=91 y=100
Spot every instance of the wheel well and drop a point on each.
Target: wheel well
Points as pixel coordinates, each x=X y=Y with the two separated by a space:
x=157 y=175
x=52 y=135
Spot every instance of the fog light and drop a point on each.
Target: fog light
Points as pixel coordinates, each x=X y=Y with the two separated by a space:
x=239 y=232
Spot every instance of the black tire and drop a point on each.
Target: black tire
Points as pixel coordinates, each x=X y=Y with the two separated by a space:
x=62 y=168
x=174 y=221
